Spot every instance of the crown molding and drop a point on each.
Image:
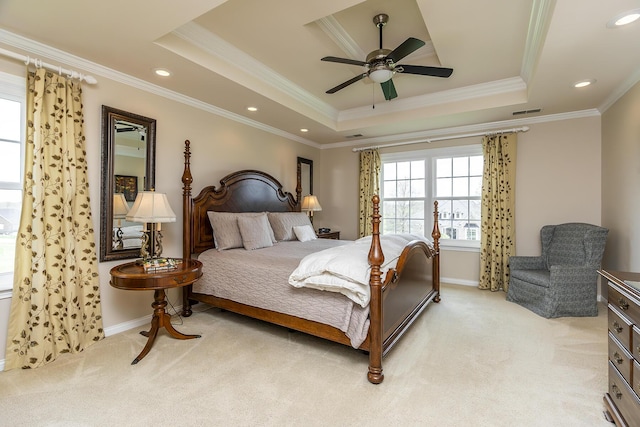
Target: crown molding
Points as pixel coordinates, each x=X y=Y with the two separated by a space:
x=499 y=87
x=198 y=36
x=341 y=37
x=40 y=49
x=423 y=136
x=620 y=91
x=539 y=22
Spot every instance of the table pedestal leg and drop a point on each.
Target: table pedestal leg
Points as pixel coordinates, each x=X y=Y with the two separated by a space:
x=161 y=319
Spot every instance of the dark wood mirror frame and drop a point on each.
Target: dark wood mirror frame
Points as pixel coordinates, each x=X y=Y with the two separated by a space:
x=109 y=117
x=301 y=186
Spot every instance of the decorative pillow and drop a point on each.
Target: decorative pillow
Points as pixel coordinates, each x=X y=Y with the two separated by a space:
x=304 y=233
x=255 y=231
x=226 y=233
x=282 y=224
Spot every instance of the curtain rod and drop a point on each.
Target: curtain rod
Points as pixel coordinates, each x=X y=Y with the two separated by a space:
x=56 y=68
x=442 y=138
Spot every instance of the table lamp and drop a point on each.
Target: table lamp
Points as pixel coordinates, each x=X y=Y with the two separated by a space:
x=310 y=204
x=120 y=209
x=152 y=209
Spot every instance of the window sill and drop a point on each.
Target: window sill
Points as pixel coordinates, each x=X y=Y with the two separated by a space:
x=5 y=293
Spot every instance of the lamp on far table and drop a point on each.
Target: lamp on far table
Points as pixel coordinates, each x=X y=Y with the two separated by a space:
x=120 y=209
x=152 y=209
x=310 y=204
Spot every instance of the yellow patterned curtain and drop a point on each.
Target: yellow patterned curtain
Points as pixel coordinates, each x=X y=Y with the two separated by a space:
x=56 y=296
x=498 y=210
x=369 y=186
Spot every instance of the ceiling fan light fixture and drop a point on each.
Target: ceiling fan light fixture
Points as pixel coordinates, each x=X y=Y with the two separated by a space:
x=380 y=74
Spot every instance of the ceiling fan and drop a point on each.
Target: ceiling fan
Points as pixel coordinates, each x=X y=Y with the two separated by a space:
x=382 y=64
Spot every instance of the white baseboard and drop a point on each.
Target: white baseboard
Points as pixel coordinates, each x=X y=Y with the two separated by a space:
x=120 y=327
x=459 y=281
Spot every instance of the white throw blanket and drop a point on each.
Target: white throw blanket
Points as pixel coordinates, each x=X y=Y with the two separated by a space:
x=345 y=269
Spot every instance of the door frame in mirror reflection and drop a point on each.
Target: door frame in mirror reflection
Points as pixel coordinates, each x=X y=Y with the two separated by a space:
x=112 y=122
x=305 y=178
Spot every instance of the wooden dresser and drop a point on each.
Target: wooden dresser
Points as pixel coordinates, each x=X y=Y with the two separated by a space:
x=621 y=400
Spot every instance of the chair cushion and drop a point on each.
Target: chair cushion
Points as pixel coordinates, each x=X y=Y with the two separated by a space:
x=567 y=245
x=537 y=277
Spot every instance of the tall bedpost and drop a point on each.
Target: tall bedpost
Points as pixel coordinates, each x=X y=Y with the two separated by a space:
x=436 y=246
x=187 y=179
x=376 y=258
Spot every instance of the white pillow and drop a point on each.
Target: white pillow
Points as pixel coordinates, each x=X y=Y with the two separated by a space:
x=282 y=224
x=255 y=231
x=304 y=233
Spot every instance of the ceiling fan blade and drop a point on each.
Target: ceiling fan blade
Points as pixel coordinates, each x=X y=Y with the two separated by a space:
x=406 y=47
x=426 y=71
x=347 y=83
x=343 y=61
x=389 y=90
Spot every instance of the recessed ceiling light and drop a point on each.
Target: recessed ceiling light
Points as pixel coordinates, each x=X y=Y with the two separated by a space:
x=624 y=18
x=584 y=83
x=304 y=130
x=162 y=72
x=252 y=108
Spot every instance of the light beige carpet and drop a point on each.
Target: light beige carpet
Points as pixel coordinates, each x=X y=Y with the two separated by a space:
x=472 y=360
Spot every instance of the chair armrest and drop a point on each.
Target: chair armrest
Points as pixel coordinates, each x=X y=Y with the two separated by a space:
x=568 y=275
x=527 y=263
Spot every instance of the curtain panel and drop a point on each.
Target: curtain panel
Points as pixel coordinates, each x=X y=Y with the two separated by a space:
x=369 y=186
x=497 y=243
x=55 y=306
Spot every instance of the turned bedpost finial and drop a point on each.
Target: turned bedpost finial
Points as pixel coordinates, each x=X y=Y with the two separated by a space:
x=376 y=257
x=436 y=228
x=187 y=178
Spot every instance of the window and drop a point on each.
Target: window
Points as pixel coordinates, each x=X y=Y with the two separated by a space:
x=412 y=181
x=12 y=124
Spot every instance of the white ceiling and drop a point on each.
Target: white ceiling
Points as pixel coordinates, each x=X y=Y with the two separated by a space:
x=507 y=56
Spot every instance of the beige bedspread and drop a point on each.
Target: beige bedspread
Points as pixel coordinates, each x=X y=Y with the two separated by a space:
x=260 y=278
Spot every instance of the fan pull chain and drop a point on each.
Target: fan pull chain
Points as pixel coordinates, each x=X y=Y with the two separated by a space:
x=373 y=97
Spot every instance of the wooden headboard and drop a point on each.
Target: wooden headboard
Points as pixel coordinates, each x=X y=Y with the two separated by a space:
x=242 y=191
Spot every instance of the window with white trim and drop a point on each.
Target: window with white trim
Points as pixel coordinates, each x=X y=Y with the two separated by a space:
x=12 y=125
x=412 y=181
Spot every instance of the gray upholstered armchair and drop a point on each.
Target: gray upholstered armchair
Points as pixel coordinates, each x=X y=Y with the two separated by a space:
x=563 y=280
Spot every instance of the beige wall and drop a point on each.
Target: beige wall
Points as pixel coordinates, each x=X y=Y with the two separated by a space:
x=557 y=180
x=621 y=182
x=218 y=145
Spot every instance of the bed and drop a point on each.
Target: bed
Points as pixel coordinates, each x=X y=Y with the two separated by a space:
x=395 y=299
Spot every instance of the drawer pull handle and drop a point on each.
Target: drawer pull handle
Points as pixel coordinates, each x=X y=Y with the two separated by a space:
x=623 y=304
x=616 y=391
x=617 y=327
x=617 y=358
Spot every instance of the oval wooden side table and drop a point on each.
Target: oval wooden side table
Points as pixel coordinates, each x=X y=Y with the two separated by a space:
x=131 y=276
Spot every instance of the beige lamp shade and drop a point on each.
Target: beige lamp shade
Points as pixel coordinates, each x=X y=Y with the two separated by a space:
x=310 y=203
x=151 y=207
x=120 y=206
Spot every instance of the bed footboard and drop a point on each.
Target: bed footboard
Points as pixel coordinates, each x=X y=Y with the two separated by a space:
x=406 y=291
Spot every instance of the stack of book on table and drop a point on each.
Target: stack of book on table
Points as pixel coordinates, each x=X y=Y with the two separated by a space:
x=159 y=264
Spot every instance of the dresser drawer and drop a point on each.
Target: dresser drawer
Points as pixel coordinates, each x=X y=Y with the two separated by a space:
x=636 y=377
x=620 y=358
x=620 y=327
x=624 y=304
x=624 y=398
